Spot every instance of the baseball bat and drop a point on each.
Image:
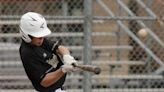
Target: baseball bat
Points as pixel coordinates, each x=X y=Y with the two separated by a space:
x=89 y=68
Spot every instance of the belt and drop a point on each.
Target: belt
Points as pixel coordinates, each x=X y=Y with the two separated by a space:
x=61 y=89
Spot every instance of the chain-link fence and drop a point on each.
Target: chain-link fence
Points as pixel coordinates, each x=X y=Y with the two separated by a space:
x=98 y=32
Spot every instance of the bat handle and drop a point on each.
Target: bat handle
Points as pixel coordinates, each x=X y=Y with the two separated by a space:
x=74 y=64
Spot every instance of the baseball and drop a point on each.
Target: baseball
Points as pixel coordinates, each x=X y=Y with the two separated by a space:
x=142 y=32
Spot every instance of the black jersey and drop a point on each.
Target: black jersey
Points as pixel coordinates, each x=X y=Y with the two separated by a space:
x=37 y=60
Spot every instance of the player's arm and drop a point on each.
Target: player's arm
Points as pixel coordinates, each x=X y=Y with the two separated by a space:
x=59 y=49
x=67 y=58
x=62 y=50
x=52 y=77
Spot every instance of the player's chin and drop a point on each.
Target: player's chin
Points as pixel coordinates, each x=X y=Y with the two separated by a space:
x=39 y=44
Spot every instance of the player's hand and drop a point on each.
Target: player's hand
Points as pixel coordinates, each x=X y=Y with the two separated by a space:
x=67 y=68
x=68 y=59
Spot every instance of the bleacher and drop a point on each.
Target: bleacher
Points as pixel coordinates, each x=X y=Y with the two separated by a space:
x=14 y=77
x=128 y=62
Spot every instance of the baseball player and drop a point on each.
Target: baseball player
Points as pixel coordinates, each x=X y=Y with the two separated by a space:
x=45 y=63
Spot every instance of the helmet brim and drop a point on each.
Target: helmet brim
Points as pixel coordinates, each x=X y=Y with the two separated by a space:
x=41 y=33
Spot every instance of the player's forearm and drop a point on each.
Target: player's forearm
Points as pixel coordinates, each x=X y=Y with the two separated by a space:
x=62 y=50
x=65 y=53
x=51 y=78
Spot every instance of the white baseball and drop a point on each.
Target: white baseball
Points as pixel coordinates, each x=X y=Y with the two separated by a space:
x=142 y=32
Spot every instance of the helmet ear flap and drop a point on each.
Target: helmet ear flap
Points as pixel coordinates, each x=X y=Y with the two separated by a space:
x=25 y=37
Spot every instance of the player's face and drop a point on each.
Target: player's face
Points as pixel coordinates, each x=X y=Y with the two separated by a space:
x=37 y=41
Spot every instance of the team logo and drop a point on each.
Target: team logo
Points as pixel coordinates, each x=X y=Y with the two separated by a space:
x=53 y=62
x=33 y=19
x=42 y=26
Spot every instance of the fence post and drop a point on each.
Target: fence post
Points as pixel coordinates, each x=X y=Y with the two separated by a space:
x=87 y=43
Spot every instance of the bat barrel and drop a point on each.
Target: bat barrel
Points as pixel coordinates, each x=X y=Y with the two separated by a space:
x=97 y=70
x=89 y=68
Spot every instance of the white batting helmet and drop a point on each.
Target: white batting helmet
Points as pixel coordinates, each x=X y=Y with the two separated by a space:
x=33 y=24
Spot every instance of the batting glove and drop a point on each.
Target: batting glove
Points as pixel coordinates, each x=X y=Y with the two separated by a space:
x=68 y=59
x=67 y=68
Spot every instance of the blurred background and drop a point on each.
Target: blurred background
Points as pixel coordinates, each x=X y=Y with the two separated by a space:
x=98 y=32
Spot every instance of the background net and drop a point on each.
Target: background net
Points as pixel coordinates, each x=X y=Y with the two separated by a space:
x=129 y=62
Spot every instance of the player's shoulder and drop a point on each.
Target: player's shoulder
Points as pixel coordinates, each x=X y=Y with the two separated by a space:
x=25 y=49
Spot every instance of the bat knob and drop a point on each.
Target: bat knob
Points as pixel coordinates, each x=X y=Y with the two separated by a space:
x=97 y=70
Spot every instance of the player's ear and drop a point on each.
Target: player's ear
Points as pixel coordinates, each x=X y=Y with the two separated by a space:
x=24 y=36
